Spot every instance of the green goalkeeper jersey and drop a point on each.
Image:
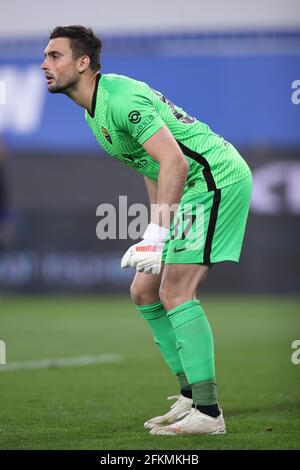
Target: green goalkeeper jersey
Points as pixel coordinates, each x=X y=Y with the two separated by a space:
x=126 y=112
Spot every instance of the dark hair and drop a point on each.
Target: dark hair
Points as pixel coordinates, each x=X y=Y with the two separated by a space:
x=83 y=42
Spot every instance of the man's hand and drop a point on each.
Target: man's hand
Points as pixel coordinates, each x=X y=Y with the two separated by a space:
x=146 y=255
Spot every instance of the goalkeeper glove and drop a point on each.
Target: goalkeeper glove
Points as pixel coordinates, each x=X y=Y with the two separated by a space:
x=146 y=255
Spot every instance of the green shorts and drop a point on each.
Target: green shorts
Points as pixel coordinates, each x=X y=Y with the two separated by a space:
x=209 y=227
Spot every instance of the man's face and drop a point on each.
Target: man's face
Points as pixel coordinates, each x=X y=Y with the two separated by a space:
x=59 y=66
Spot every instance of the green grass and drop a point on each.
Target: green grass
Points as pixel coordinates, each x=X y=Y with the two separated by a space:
x=104 y=406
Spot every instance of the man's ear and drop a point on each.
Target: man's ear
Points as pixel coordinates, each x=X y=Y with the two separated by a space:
x=83 y=63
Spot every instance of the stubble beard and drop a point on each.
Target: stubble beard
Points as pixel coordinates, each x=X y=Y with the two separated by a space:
x=65 y=86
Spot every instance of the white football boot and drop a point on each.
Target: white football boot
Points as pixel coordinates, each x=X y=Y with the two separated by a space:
x=178 y=410
x=194 y=422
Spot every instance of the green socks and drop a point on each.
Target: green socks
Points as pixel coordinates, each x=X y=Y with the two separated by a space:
x=164 y=335
x=196 y=350
x=185 y=340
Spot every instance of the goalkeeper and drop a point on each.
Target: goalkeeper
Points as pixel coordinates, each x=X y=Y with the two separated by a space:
x=187 y=165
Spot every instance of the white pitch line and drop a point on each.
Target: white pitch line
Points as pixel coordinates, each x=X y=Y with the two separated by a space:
x=65 y=362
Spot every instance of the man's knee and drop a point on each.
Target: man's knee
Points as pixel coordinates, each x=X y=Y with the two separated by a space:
x=180 y=282
x=141 y=295
x=171 y=297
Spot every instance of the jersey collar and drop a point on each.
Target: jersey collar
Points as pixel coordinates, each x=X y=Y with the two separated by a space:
x=94 y=100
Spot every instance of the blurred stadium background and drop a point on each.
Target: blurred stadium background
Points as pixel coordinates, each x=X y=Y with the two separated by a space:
x=234 y=65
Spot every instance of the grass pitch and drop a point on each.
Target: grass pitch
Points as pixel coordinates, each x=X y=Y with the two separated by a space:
x=103 y=406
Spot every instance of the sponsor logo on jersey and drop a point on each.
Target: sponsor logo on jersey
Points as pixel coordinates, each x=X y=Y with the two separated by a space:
x=134 y=117
x=106 y=135
x=145 y=122
x=129 y=160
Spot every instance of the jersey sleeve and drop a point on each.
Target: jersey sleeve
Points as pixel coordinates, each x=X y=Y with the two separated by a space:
x=134 y=113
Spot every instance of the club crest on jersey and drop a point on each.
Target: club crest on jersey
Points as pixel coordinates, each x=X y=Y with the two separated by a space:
x=106 y=135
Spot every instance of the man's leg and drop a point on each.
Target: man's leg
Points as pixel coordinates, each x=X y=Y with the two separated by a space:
x=193 y=333
x=145 y=294
x=195 y=347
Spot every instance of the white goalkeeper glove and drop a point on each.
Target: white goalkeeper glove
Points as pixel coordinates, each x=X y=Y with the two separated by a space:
x=146 y=255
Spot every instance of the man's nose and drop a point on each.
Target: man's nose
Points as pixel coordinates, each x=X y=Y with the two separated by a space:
x=43 y=65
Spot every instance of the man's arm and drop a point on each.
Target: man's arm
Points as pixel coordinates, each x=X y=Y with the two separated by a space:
x=146 y=255
x=151 y=187
x=172 y=175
